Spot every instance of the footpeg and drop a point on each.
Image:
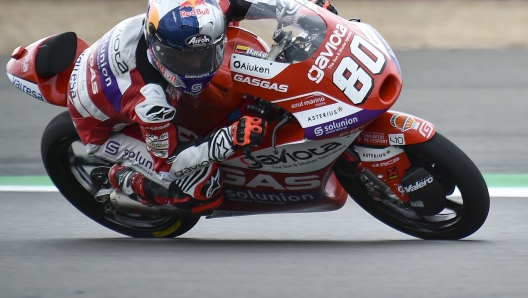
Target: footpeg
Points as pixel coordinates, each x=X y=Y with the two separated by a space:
x=103 y=195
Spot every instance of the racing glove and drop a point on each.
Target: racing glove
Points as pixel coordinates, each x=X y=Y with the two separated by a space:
x=247 y=132
x=325 y=4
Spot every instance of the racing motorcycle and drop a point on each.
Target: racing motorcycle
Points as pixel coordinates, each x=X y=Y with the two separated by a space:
x=326 y=86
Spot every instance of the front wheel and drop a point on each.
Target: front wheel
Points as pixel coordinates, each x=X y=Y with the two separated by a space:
x=69 y=167
x=461 y=217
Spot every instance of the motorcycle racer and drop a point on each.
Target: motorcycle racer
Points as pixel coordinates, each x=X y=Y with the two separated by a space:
x=133 y=77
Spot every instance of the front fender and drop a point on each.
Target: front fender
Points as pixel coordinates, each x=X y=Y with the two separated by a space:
x=395 y=128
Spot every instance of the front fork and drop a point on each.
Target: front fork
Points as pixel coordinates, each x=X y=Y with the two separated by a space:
x=377 y=157
x=379 y=177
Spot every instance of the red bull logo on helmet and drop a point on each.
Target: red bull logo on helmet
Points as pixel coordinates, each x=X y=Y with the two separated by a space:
x=195 y=8
x=192 y=3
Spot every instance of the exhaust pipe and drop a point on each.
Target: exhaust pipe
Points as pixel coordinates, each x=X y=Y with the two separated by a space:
x=125 y=204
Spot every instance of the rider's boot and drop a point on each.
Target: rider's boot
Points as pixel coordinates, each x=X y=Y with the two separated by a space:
x=147 y=192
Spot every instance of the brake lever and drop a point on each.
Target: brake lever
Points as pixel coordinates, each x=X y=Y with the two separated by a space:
x=285 y=118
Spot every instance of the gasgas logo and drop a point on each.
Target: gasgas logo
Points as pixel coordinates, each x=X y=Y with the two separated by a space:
x=261 y=83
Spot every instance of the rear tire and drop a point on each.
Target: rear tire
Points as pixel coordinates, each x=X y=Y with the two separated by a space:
x=68 y=167
x=451 y=167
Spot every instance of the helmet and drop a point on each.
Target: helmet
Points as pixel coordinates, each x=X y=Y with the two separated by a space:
x=186 y=40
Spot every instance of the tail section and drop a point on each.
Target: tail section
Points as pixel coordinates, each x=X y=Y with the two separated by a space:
x=42 y=69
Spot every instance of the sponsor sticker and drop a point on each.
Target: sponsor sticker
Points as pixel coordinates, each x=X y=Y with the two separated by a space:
x=426 y=129
x=322 y=61
x=404 y=122
x=325 y=114
x=372 y=137
x=245 y=50
x=419 y=184
x=302 y=157
x=27 y=87
x=392 y=173
x=261 y=83
x=377 y=154
x=256 y=67
x=199 y=40
x=310 y=102
x=396 y=139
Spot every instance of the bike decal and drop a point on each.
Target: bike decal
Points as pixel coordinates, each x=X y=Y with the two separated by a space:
x=392 y=173
x=27 y=87
x=397 y=139
x=279 y=182
x=325 y=114
x=353 y=81
x=376 y=39
x=260 y=83
x=245 y=50
x=426 y=129
x=309 y=102
x=351 y=78
x=256 y=67
x=305 y=101
x=404 y=122
x=301 y=157
x=369 y=55
x=377 y=154
x=343 y=125
x=396 y=129
x=268 y=197
x=316 y=73
x=372 y=137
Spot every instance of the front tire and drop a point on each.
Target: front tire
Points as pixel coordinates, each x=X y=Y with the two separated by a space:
x=68 y=167
x=451 y=167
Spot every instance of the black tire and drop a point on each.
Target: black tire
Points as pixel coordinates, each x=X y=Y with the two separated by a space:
x=68 y=167
x=451 y=167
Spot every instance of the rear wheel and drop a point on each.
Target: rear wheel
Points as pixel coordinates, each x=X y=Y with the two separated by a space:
x=69 y=167
x=462 y=216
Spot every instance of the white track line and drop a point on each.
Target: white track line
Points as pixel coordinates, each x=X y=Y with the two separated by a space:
x=27 y=188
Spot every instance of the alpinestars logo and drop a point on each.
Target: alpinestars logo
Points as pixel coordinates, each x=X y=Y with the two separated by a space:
x=160 y=113
x=419 y=184
x=215 y=185
x=220 y=145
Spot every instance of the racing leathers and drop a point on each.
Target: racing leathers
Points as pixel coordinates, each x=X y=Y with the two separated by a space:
x=126 y=112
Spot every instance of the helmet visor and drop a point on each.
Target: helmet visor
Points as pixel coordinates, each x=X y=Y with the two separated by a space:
x=189 y=62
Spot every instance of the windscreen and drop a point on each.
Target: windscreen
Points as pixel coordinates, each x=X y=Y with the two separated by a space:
x=289 y=30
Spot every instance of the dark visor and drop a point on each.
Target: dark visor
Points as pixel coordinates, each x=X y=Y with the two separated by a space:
x=195 y=62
